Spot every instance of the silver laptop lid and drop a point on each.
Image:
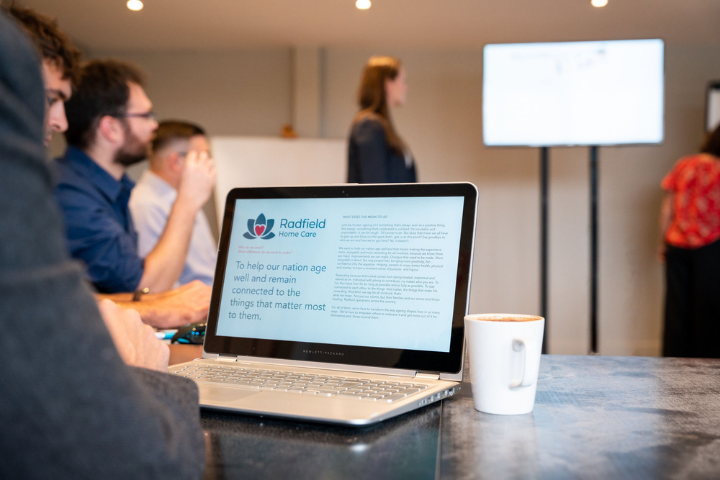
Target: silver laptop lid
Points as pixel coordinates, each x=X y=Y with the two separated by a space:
x=376 y=276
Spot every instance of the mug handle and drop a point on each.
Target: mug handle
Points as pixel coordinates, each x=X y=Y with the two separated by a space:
x=530 y=368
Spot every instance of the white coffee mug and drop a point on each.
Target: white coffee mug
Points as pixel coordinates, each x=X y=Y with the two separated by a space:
x=504 y=361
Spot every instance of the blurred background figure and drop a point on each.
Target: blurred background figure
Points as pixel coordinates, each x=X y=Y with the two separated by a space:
x=376 y=153
x=690 y=221
x=60 y=65
x=153 y=197
x=64 y=358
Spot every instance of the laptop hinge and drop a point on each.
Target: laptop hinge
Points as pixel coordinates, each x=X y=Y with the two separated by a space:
x=227 y=358
x=428 y=376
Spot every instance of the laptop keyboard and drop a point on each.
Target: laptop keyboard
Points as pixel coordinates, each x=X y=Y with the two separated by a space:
x=305 y=384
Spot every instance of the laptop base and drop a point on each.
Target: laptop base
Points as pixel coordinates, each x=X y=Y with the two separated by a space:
x=308 y=406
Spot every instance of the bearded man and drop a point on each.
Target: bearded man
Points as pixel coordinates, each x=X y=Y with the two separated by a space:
x=110 y=127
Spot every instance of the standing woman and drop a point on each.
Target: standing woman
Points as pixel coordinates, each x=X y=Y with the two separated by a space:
x=690 y=221
x=376 y=153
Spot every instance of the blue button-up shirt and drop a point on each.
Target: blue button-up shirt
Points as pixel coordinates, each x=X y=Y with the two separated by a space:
x=99 y=228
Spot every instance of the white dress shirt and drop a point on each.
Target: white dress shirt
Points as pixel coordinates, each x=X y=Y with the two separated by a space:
x=150 y=203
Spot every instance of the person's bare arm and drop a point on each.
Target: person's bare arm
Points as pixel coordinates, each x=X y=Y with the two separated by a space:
x=174 y=308
x=165 y=262
x=135 y=341
x=666 y=215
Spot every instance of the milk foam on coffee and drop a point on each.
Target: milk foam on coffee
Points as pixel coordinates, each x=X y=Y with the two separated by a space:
x=497 y=317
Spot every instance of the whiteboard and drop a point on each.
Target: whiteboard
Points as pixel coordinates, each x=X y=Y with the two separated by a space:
x=573 y=93
x=271 y=161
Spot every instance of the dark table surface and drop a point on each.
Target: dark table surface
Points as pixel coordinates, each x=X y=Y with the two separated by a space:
x=594 y=417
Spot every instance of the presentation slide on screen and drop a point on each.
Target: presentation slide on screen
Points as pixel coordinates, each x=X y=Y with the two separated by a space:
x=376 y=272
x=575 y=93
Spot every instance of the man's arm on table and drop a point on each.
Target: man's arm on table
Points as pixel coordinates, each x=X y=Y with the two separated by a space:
x=70 y=407
x=165 y=262
x=135 y=342
x=180 y=306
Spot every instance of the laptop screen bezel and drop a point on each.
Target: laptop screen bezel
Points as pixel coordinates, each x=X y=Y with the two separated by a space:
x=443 y=362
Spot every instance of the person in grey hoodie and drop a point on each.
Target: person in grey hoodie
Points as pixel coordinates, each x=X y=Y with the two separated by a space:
x=72 y=405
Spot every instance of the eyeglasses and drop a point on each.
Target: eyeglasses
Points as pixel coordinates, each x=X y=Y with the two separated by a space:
x=148 y=115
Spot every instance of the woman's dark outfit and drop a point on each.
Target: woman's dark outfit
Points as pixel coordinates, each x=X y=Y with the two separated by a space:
x=370 y=158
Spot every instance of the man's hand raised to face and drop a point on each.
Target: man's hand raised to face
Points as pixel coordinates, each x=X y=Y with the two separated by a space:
x=197 y=179
x=165 y=262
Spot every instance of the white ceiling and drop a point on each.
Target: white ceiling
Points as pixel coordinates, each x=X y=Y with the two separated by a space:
x=434 y=24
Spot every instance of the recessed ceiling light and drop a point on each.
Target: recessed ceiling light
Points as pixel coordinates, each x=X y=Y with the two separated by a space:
x=137 y=5
x=598 y=3
x=363 y=4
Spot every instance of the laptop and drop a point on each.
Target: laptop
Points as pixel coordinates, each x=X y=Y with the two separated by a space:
x=338 y=304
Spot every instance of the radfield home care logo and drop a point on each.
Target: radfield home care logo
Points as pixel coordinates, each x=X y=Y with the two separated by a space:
x=259 y=228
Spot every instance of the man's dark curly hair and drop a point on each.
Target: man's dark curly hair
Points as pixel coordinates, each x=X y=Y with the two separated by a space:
x=51 y=42
x=103 y=90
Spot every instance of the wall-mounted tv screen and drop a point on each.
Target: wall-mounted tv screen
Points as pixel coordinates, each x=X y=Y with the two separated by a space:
x=573 y=93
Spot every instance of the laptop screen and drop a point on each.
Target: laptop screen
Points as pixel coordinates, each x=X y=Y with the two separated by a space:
x=373 y=272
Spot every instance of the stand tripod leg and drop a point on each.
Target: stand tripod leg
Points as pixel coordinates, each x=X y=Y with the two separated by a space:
x=593 y=250
x=544 y=181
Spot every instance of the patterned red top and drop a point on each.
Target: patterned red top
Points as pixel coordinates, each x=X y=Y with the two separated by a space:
x=695 y=181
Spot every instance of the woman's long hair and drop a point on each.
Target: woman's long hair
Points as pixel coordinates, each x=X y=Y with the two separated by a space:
x=712 y=143
x=372 y=97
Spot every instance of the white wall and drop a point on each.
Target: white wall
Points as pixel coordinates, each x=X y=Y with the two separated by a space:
x=250 y=93
x=271 y=161
x=245 y=91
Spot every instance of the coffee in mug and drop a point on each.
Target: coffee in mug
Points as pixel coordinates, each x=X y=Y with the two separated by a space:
x=504 y=361
x=496 y=317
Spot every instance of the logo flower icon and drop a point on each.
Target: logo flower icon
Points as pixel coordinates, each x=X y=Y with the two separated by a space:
x=259 y=228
